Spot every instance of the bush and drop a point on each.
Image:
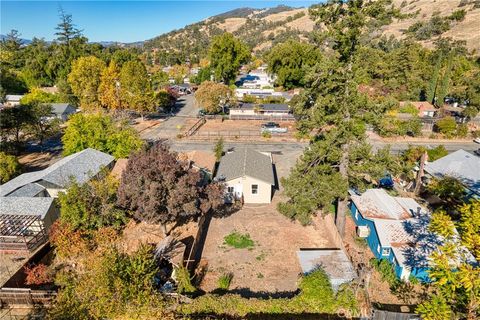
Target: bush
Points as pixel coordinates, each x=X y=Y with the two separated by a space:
x=462 y=130
x=184 y=284
x=266 y=134
x=238 y=240
x=446 y=126
x=224 y=281
x=385 y=268
x=9 y=167
x=38 y=274
x=437 y=153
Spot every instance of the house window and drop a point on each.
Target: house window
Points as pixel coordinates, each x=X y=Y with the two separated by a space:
x=254 y=188
x=378 y=248
x=385 y=251
x=230 y=189
x=356 y=214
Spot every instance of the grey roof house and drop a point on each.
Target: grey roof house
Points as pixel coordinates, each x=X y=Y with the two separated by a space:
x=461 y=165
x=248 y=175
x=62 y=110
x=27 y=204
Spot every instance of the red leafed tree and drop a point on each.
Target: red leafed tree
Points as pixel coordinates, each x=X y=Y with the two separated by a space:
x=159 y=188
x=38 y=274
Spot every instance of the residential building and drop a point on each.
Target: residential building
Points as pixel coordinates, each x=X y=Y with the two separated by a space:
x=62 y=110
x=248 y=175
x=425 y=108
x=27 y=204
x=240 y=93
x=80 y=166
x=266 y=109
x=202 y=161
x=461 y=165
x=12 y=100
x=396 y=229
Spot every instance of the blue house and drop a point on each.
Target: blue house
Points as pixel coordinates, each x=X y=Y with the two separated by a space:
x=396 y=229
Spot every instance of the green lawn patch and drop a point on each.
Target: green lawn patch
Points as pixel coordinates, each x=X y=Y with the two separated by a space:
x=238 y=240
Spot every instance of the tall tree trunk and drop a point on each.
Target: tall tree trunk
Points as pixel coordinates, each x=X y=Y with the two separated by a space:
x=342 y=203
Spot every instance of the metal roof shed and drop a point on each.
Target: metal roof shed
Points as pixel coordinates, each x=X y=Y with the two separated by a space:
x=334 y=262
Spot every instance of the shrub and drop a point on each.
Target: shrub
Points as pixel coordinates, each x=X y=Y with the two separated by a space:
x=266 y=134
x=184 y=284
x=437 y=153
x=38 y=274
x=462 y=130
x=447 y=126
x=9 y=167
x=238 y=240
x=225 y=280
x=386 y=271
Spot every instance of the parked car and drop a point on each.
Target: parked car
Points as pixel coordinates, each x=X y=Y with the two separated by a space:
x=477 y=152
x=270 y=125
x=477 y=140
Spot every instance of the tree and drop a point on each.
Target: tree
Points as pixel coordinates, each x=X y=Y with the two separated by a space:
x=92 y=205
x=213 y=96
x=109 y=88
x=11 y=51
x=38 y=274
x=158 y=188
x=135 y=88
x=36 y=95
x=42 y=125
x=85 y=81
x=469 y=225
x=437 y=153
x=100 y=132
x=218 y=149
x=226 y=55
x=14 y=120
x=290 y=60
x=9 y=167
x=455 y=277
x=449 y=189
x=66 y=30
x=204 y=74
x=447 y=126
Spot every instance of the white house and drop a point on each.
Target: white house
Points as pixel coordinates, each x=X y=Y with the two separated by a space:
x=248 y=175
x=12 y=100
x=265 y=109
x=62 y=110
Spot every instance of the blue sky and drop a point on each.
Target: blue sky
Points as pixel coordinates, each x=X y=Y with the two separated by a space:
x=125 y=21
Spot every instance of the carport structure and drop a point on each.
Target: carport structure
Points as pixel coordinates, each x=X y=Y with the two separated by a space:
x=21 y=232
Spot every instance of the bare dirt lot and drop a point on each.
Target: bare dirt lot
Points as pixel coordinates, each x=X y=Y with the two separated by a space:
x=271 y=265
x=240 y=129
x=38 y=160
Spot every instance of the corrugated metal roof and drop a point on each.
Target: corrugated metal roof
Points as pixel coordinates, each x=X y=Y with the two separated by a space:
x=377 y=203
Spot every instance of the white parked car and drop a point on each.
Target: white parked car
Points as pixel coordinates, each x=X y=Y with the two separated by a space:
x=477 y=140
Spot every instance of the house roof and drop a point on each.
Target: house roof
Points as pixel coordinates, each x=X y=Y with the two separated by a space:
x=392 y=232
x=265 y=106
x=28 y=190
x=28 y=206
x=62 y=108
x=201 y=159
x=13 y=97
x=80 y=166
x=377 y=203
x=421 y=106
x=246 y=162
x=461 y=165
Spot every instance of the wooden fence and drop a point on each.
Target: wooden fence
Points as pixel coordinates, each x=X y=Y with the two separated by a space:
x=195 y=127
x=194 y=255
x=26 y=297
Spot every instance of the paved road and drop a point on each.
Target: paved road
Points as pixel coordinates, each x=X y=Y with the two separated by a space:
x=279 y=147
x=184 y=108
x=398 y=147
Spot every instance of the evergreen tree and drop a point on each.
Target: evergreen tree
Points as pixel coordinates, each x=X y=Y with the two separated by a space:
x=66 y=30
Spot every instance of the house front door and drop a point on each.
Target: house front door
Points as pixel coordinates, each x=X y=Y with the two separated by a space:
x=238 y=191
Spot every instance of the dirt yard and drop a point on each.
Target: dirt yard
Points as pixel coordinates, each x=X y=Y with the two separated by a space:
x=38 y=160
x=240 y=129
x=271 y=265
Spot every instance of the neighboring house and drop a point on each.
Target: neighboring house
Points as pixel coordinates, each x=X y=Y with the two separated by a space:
x=248 y=175
x=27 y=206
x=52 y=90
x=395 y=229
x=257 y=79
x=424 y=108
x=80 y=166
x=240 y=93
x=12 y=100
x=62 y=110
x=461 y=165
x=267 y=109
x=202 y=161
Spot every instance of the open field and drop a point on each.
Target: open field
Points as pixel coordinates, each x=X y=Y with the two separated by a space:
x=271 y=265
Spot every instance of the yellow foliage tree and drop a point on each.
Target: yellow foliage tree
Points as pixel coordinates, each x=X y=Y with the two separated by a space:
x=109 y=89
x=85 y=80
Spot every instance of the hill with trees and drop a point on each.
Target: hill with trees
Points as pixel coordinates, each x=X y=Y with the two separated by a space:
x=261 y=29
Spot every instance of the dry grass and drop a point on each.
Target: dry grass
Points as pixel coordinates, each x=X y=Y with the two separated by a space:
x=232 y=24
x=282 y=15
x=468 y=29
